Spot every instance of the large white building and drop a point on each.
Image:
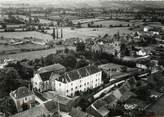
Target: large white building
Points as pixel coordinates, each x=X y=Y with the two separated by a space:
x=41 y=79
x=79 y=80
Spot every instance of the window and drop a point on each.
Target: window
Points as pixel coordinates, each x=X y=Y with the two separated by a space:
x=59 y=84
x=75 y=87
x=80 y=85
x=84 y=83
x=25 y=98
x=71 y=83
x=87 y=82
x=72 y=89
x=67 y=91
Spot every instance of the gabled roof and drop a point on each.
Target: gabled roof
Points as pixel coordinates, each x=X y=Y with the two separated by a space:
x=51 y=106
x=45 y=75
x=99 y=103
x=36 y=111
x=78 y=73
x=22 y=92
x=110 y=98
x=45 y=72
x=55 y=67
x=78 y=113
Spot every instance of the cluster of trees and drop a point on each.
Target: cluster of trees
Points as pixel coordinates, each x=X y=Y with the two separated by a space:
x=7 y=106
x=120 y=25
x=8 y=78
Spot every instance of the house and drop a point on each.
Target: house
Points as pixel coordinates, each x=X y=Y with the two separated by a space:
x=100 y=108
x=147 y=28
x=23 y=98
x=47 y=109
x=97 y=109
x=110 y=68
x=125 y=93
x=78 y=113
x=65 y=103
x=141 y=52
x=40 y=81
x=79 y=80
x=110 y=47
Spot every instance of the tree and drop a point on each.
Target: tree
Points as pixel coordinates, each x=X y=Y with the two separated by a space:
x=7 y=106
x=10 y=79
x=82 y=63
x=78 y=25
x=80 y=46
x=70 y=61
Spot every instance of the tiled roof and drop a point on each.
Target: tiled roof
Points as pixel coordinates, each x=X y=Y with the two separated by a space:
x=78 y=113
x=37 y=111
x=73 y=75
x=51 y=106
x=83 y=72
x=45 y=75
x=99 y=103
x=50 y=68
x=22 y=92
x=110 y=98
x=79 y=73
x=92 y=69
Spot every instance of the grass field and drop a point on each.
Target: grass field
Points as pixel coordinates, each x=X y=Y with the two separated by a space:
x=29 y=55
x=21 y=35
x=106 y=23
x=34 y=54
x=90 y=32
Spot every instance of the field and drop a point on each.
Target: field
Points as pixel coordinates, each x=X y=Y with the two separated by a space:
x=21 y=35
x=90 y=32
x=29 y=55
x=107 y=23
x=43 y=21
x=85 y=20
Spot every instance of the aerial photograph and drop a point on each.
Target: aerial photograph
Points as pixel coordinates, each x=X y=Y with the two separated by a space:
x=81 y=58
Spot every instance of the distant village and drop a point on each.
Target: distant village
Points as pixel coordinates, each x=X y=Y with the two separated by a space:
x=101 y=76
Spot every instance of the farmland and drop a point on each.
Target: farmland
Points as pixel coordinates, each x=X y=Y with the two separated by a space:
x=90 y=32
x=29 y=55
x=21 y=35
